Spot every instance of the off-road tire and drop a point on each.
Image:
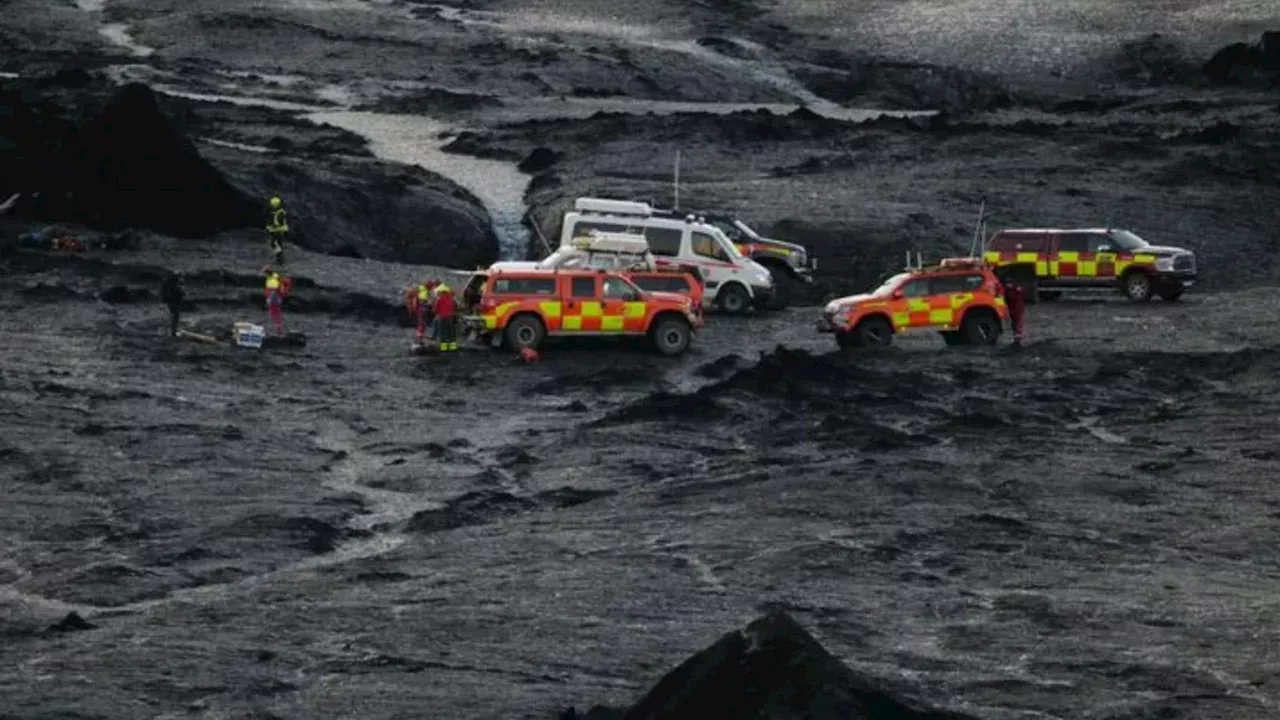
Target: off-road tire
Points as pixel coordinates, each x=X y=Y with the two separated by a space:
x=1137 y=286
x=783 y=288
x=954 y=338
x=733 y=299
x=873 y=332
x=671 y=336
x=846 y=340
x=980 y=328
x=524 y=331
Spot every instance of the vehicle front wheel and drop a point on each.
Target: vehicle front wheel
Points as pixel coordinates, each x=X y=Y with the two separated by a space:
x=671 y=336
x=953 y=338
x=734 y=299
x=1137 y=286
x=873 y=332
x=846 y=340
x=524 y=331
x=980 y=328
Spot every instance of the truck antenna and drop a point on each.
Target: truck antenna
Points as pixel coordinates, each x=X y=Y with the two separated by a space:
x=676 y=182
x=977 y=229
x=533 y=222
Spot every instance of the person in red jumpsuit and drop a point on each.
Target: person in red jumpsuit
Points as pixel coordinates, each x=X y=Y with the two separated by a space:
x=443 y=309
x=1016 y=299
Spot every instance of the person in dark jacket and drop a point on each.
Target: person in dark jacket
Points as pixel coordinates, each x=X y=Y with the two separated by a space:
x=173 y=294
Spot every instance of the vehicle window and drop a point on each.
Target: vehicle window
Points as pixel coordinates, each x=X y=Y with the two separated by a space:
x=525 y=286
x=889 y=285
x=583 y=287
x=1097 y=241
x=1020 y=243
x=615 y=287
x=954 y=284
x=706 y=246
x=663 y=284
x=664 y=241
x=1125 y=240
x=1074 y=242
x=916 y=288
x=730 y=230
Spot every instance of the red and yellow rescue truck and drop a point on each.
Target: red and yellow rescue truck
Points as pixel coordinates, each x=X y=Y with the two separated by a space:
x=959 y=298
x=520 y=308
x=1051 y=261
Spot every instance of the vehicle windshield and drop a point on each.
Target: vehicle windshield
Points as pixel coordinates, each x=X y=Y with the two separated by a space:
x=1125 y=240
x=727 y=227
x=889 y=285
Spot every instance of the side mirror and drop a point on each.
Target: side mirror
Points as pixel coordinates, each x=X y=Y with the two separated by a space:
x=898 y=295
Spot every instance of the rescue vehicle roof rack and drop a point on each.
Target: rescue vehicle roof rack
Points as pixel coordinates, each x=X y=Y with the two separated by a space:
x=605 y=206
x=612 y=207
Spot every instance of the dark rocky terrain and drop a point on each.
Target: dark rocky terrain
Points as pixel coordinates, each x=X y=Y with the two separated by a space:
x=1083 y=529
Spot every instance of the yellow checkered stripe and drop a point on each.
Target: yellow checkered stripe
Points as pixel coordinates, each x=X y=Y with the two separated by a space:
x=588 y=315
x=1046 y=267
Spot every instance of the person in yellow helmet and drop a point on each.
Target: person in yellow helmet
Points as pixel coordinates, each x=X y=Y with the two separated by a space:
x=275 y=289
x=278 y=229
x=424 y=306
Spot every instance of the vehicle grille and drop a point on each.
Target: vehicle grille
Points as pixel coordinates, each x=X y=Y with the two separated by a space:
x=1184 y=263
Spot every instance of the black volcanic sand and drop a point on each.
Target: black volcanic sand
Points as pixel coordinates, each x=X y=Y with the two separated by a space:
x=1079 y=529
x=1083 y=529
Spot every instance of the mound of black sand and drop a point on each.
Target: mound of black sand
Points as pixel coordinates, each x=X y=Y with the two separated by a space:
x=1252 y=64
x=770 y=670
x=539 y=160
x=125 y=165
x=1150 y=60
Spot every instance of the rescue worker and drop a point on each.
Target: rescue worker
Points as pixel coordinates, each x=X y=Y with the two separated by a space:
x=445 y=327
x=274 y=291
x=426 y=312
x=1015 y=299
x=277 y=229
x=173 y=294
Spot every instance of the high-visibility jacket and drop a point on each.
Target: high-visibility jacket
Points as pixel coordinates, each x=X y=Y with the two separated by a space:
x=277 y=285
x=278 y=222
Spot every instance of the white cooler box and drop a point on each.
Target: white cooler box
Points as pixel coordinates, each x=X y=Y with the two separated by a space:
x=248 y=334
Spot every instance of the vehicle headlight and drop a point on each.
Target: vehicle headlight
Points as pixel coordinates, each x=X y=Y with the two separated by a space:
x=1164 y=264
x=763 y=276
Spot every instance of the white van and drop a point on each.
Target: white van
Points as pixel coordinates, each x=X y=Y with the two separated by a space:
x=734 y=283
x=605 y=251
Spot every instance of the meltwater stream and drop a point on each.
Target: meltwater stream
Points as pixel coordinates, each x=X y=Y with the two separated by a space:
x=417 y=140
